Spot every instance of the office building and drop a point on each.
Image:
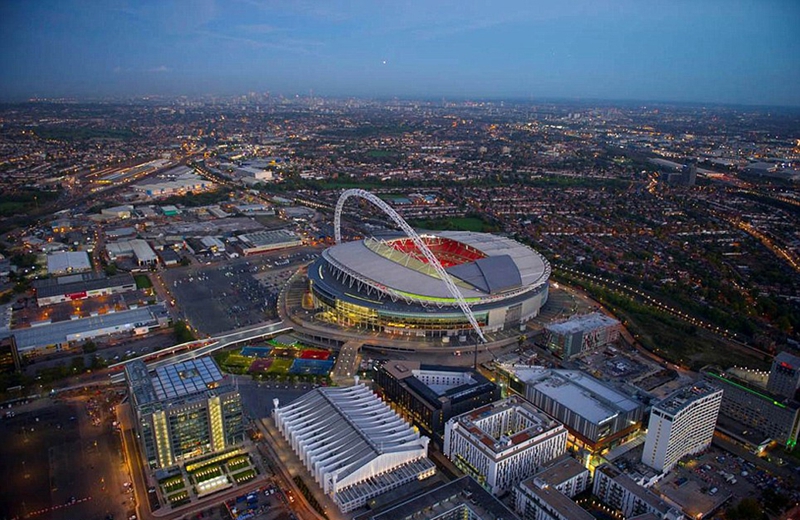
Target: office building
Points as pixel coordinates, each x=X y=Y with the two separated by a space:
x=353 y=444
x=503 y=443
x=581 y=334
x=681 y=424
x=183 y=411
x=430 y=395
x=619 y=491
x=752 y=414
x=784 y=376
x=597 y=416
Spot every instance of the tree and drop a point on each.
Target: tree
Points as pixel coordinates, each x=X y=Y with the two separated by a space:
x=89 y=347
x=183 y=333
x=746 y=509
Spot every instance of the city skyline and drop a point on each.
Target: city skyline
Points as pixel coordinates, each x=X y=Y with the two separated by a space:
x=703 y=52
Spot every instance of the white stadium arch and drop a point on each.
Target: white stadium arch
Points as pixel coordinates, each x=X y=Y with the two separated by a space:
x=410 y=233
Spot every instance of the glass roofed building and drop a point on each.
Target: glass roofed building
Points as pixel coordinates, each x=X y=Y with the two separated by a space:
x=184 y=410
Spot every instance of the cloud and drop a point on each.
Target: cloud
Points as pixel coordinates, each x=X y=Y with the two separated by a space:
x=159 y=69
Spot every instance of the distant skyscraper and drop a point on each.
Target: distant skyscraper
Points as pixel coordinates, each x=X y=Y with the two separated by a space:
x=681 y=424
x=784 y=377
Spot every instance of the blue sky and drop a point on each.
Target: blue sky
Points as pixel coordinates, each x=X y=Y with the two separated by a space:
x=722 y=51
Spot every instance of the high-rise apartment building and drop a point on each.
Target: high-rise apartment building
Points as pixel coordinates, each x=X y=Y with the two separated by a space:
x=682 y=424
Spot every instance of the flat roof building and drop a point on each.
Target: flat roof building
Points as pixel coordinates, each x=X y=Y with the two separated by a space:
x=430 y=395
x=184 y=410
x=80 y=286
x=38 y=339
x=581 y=334
x=503 y=443
x=263 y=241
x=597 y=416
x=68 y=262
x=548 y=494
x=353 y=444
x=749 y=407
x=138 y=248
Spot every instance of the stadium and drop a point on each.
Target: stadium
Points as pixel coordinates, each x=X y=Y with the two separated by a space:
x=393 y=286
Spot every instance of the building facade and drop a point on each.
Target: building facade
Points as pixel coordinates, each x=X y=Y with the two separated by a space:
x=430 y=395
x=391 y=286
x=681 y=424
x=80 y=286
x=754 y=409
x=581 y=334
x=597 y=416
x=619 y=491
x=503 y=443
x=784 y=376
x=184 y=411
x=548 y=494
x=353 y=444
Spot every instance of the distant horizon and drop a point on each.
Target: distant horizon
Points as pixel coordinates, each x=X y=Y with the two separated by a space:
x=736 y=52
x=433 y=99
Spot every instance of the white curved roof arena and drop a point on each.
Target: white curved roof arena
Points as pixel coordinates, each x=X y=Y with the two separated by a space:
x=506 y=259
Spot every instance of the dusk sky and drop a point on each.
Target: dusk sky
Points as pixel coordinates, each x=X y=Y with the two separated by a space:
x=719 y=51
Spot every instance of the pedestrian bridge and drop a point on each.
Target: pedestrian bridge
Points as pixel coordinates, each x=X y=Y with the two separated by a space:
x=197 y=348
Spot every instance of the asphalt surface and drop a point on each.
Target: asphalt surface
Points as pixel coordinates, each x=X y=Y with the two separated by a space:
x=62 y=460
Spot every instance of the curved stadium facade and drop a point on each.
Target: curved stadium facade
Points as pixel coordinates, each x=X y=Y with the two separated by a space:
x=389 y=286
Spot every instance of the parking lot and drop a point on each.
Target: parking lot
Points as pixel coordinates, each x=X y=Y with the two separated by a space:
x=62 y=460
x=234 y=294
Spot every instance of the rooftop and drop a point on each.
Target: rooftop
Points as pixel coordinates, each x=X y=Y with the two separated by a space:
x=555 y=499
x=188 y=377
x=521 y=425
x=561 y=471
x=578 y=391
x=464 y=493
x=683 y=397
x=68 y=261
x=79 y=283
x=584 y=323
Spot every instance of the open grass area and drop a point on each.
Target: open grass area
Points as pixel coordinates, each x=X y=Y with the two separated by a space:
x=207 y=473
x=454 y=224
x=173 y=484
x=280 y=366
x=182 y=497
x=238 y=463
x=667 y=336
x=142 y=281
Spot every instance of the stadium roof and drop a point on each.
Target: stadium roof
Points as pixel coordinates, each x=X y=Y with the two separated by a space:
x=509 y=265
